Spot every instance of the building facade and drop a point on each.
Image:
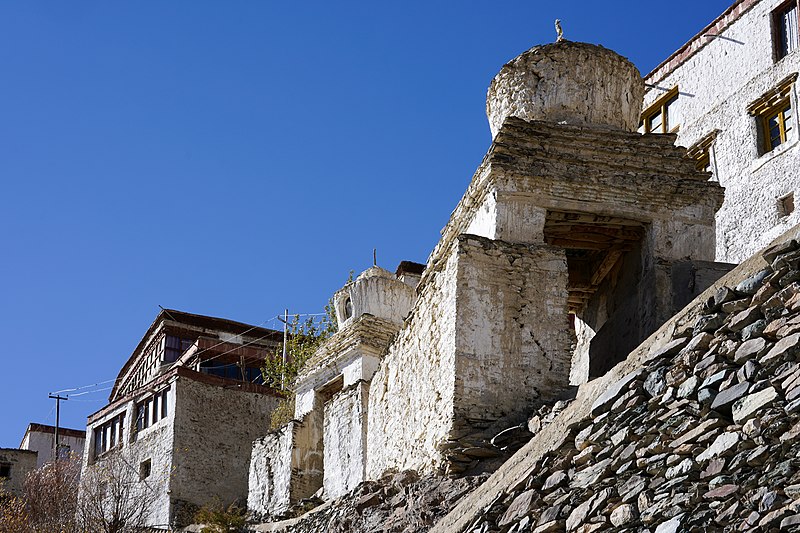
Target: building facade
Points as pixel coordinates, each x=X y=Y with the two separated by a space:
x=14 y=466
x=182 y=416
x=730 y=95
x=41 y=438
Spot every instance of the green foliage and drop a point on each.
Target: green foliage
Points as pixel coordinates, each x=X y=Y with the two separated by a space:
x=220 y=519
x=304 y=338
x=283 y=413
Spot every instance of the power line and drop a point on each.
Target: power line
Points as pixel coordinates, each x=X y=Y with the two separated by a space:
x=267 y=321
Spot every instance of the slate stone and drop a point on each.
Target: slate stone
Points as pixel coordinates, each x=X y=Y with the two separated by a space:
x=747 y=406
x=744 y=318
x=669 y=349
x=750 y=349
x=709 y=322
x=726 y=397
x=624 y=514
x=722 y=492
x=670 y=526
x=721 y=445
x=753 y=283
x=771 y=253
x=736 y=306
x=614 y=391
x=754 y=330
x=520 y=507
x=785 y=346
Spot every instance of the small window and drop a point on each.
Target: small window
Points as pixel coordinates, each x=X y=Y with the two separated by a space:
x=348 y=309
x=777 y=125
x=662 y=116
x=164 y=404
x=5 y=470
x=701 y=152
x=785 y=34
x=786 y=205
x=775 y=116
x=144 y=469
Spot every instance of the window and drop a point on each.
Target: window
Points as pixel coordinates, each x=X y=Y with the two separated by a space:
x=784 y=29
x=175 y=347
x=775 y=116
x=777 y=125
x=662 y=116
x=786 y=205
x=701 y=152
x=144 y=469
x=108 y=435
x=5 y=470
x=151 y=409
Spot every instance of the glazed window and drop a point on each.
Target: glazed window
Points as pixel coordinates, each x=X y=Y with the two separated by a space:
x=662 y=116
x=785 y=29
x=775 y=116
x=151 y=410
x=702 y=152
x=108 y=435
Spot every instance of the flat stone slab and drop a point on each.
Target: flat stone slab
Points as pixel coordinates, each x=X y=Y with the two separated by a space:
x=748 y=406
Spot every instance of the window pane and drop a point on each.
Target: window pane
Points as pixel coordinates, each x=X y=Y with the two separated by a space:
x=790 y=29
x=654 y=123
x=672 y=116
x=164 y=404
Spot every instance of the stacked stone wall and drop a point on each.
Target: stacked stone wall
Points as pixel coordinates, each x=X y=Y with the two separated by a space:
x=214 y=432
x=511 y=309
x=411 y=394
x=345 y=451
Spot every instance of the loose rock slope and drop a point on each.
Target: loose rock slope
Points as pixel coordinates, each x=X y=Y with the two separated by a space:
x=705 y=436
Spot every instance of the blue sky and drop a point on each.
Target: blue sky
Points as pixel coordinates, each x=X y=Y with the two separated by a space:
x=237 y=158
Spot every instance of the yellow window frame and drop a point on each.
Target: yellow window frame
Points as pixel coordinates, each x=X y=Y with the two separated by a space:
x=778 y=112
x=660 y=106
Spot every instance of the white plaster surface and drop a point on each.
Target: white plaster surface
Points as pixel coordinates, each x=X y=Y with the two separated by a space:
x=22 y=462
x=567 y=82
x=411 y=394
x=716 y=86
x=345 y=440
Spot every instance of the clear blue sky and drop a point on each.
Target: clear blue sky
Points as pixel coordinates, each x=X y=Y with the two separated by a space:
x=236 y=158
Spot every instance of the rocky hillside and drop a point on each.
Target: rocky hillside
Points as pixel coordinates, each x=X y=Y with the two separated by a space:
x=704 y=436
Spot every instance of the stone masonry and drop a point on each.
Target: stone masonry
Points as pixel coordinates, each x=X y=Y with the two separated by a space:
x=703 y=436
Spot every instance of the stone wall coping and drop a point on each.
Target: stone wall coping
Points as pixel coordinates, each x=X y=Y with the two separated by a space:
x=699 y=41
x=366 y=330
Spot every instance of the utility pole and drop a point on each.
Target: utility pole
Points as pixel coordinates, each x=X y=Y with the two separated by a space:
x=58 y=399
x=285 y=321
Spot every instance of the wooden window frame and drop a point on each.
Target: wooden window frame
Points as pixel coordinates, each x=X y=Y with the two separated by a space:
x=777 y=37
x=778 y=112
x=660 y=106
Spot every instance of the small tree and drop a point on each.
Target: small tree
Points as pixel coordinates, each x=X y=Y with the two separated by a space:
x=112 y=498
x=14 y=516
x=51 y=496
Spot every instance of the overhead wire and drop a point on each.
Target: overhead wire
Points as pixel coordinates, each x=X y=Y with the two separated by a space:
x=259 y=326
